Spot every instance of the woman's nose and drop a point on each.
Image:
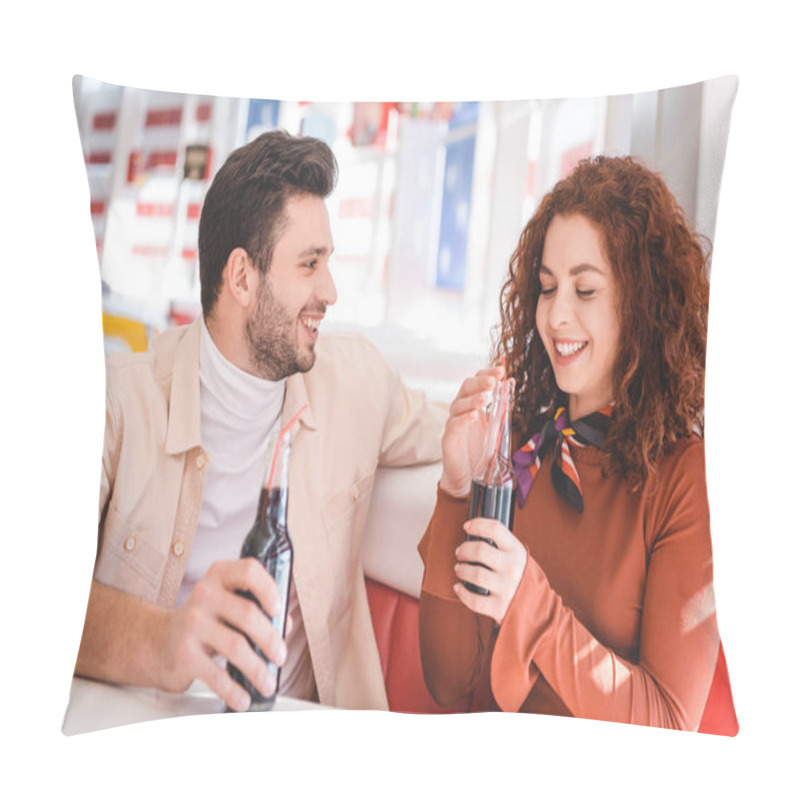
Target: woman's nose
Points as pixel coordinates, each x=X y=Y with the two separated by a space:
x=560 y=309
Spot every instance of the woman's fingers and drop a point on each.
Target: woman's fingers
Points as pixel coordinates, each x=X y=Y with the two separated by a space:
x=465 y=431
x=478 y=385
x=477 y=574
x=480 y=553
x=468 y=404
x=494 y=561
x=486 y=605
x=492 y=530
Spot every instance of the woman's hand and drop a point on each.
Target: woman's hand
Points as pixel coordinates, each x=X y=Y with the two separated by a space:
x=464 y=436
x=496 y=565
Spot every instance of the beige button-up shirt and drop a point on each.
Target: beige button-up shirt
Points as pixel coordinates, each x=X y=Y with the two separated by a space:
x=359 y=416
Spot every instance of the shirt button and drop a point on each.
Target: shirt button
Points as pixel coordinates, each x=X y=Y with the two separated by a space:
x=355 y=492
x=201 y=461
x=130 y=543
x=177 y=548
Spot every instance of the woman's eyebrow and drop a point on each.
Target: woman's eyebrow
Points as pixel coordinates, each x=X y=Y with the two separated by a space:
x=584 y=267
x=576 y=270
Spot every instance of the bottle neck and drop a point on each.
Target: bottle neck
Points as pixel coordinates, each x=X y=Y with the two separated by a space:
x=504 y=446
x=274 y=500
x=273 y=506
x=499 y=470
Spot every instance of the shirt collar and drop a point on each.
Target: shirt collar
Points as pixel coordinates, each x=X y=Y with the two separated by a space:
x=183 y=423
x=296 y=396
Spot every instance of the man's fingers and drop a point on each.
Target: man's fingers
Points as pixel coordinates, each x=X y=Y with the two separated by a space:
x=243 y=614
x=233 y=645
x=220 y=682
x=224 y=617
x=248 y=575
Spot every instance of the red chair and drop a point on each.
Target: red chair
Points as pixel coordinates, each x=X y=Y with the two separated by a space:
x=395 y=618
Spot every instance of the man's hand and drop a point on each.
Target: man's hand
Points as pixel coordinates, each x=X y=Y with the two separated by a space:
x=215 y=620
x=128 y=640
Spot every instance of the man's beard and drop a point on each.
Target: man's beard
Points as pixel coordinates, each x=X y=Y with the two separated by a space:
x=271 y=334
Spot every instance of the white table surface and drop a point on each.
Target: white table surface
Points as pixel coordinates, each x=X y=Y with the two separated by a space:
x=95 y=706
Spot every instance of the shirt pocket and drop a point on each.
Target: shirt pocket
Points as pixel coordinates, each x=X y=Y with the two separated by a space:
x=344 y=516
x=128 y=559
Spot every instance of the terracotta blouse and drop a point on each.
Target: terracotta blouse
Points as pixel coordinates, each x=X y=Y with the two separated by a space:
x=614 y=618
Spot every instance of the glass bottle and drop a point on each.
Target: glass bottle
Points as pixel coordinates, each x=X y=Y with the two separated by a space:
x=494 y=487
x=268 y=541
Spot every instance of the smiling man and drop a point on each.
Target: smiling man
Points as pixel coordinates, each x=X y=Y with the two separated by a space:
x=185 y=450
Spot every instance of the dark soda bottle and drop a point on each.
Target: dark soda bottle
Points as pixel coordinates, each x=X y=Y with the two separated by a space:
x=494 y=489
x=268 y=541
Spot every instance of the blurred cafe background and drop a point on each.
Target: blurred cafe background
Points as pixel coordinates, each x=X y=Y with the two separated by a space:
x=429 y=205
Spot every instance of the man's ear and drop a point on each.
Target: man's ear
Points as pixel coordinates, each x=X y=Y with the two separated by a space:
x=241 y=277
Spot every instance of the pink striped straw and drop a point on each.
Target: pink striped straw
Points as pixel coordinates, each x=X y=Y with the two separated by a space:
x=288 y=426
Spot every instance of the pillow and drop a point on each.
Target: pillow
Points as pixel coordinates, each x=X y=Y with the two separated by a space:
x=429 y=205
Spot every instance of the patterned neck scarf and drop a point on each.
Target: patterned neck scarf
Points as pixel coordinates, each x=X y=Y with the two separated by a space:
x=559 y=434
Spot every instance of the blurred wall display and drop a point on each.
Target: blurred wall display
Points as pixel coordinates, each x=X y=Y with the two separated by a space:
x=429 y=206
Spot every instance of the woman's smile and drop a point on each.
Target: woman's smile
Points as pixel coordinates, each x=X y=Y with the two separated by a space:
x=567 y=349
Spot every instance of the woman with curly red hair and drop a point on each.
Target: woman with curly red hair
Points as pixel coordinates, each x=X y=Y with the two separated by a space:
x=600 y=603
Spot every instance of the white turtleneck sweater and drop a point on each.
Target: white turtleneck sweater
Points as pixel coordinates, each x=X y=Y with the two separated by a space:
x=237 y=413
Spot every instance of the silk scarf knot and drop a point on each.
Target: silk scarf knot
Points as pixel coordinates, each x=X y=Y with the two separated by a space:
x=560 y=435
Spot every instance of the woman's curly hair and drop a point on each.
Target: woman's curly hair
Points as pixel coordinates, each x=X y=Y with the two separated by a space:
x=661 y=270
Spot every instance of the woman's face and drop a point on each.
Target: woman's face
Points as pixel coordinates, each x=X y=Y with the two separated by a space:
x=576 y=315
